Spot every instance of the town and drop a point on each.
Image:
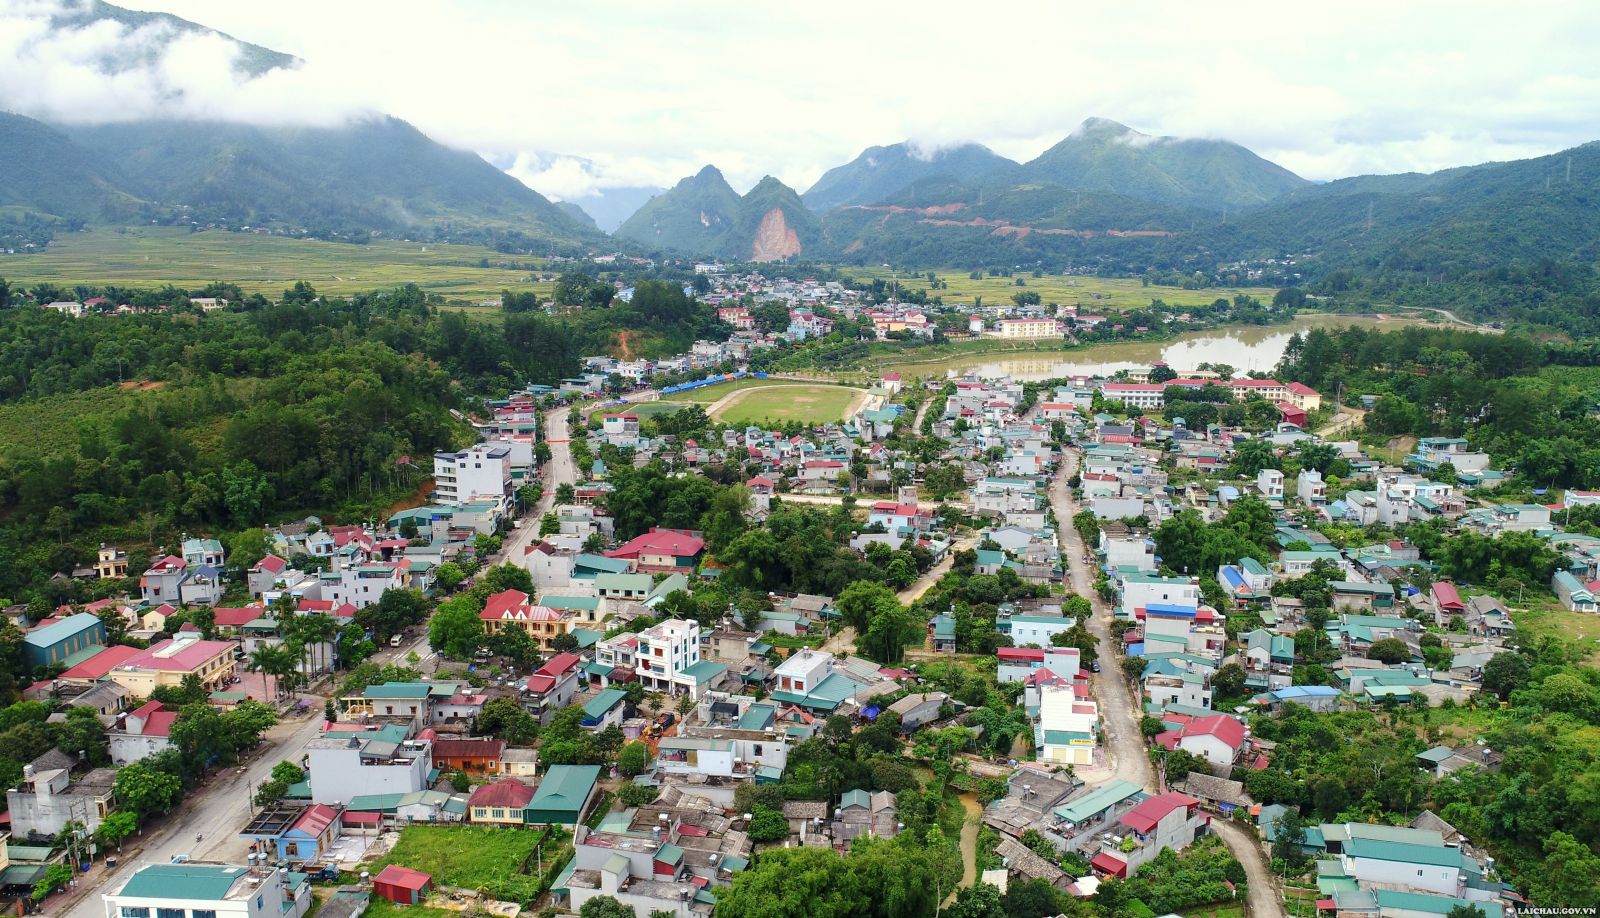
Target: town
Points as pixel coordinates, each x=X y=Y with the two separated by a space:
x=1063 y=637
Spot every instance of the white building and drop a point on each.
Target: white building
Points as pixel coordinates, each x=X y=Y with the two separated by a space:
x=1029 y=328
x=1068 y=728
x=1270 y=483
x=1136 y=395
x=1311 y=488
x=349 y=764
x=210 y=891
x=481 y=472
x=666 y=652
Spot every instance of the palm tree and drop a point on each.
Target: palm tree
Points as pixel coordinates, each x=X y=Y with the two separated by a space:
x=273 y=660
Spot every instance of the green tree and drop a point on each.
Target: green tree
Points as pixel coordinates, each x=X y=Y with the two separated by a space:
x=767 y=825
x=145 y=791
x=979 y=900
x=1389 y=650
x=455 y=629
x=633 y=759
x=606 y=907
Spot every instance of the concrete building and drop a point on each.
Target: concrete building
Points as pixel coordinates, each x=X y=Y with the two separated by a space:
x=481 y=472
x=346 y=763
x=210 y=891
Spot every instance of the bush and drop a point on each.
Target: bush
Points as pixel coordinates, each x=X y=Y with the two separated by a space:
x=768 y=825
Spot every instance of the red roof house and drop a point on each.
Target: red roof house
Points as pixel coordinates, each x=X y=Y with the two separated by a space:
x=663 y=550
x=401 y=885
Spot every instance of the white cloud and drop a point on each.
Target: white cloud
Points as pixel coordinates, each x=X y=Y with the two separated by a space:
x=637 y=93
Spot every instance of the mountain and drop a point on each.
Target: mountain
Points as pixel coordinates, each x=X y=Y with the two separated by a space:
x=156 y=32
x=1476 y=218
x=47 y=173
x=693 y=216
x=773 y=224
x=880 y=172
x=377 y=175
x=1102 y=155
x=577 y=213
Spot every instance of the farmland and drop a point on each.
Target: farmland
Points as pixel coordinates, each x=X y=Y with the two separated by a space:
x=1089 y=294
x=155 y=255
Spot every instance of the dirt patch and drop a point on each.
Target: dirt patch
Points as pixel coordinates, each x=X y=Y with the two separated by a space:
x=141 y=385
x=625 y=339
x=935 y=210
x=775 y=238
x=415 y=500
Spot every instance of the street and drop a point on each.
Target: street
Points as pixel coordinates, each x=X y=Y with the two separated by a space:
x=558 y=471
x=1120 y=716
x=215 y=812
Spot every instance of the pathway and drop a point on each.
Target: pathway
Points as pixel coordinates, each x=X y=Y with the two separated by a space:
x=1120 y=716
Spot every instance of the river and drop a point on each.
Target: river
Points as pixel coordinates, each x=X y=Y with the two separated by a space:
x=1246 y=348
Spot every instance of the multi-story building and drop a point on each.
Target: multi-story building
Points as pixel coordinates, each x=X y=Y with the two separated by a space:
x=513 y=609
x=210 y=891
x=111 y=563
x=346 y=763
x=666 y=654
x=1029 y=328
x=1136 y=395
x=170 y=662
x=476 y=473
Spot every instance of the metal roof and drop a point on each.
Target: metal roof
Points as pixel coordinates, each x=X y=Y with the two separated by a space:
x=182 y=881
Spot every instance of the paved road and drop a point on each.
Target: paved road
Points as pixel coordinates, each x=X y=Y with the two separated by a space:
x=1125 y=747
x=1120 y=717
x=558 y=471
x=863 y=501
x=215 y=812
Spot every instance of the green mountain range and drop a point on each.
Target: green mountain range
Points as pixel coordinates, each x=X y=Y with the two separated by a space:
x=881 y=172
x=159 y=31
x=377 y=175
x=1102 y=155
x=703 y=215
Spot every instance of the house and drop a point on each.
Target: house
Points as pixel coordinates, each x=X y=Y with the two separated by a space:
x=348 y=763
x=604 y=709
x=298 y=833
x=564 y=796
x=500 y=803
x=1068 y=727
x=1575 y=595
x=171 y=661
x=663 y=551
x=918 y=709
x=401 y=885
x=669 y=659
x=1169 y=820
x=214 y=890
x=111 y=563
x=1269 y=482
x=468 y=754
x=514 y=609
x=1310 y=487
x=1217 y=739
x=63 y=639
x=144 y=732
x=265 y=575
x=1220 y=794
x=861 y=813
x=49 y=797
x=552 y=686
x=1446 y=600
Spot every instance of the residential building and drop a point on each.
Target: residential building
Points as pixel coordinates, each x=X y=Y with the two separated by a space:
x=500 y=802
x=49 y=797
x=111 y=563
x=295 y=832
x=552 y=686
x=1217 y=739
x=171 y=661
x=513 y=609
x=481 y=472
x=1169 y=820
x=144 y=732
x=1029 y=328
x=347 y=763
x=667 y=654
x=663 y=551
x=479 y=755
x=210 y=891
x=1068 y=728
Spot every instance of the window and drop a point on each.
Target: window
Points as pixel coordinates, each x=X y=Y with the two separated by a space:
x=203 y=913
x=261 y=903
x=169 y=913
x=129 y=911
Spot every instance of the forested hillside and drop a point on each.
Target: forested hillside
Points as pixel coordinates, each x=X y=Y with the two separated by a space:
x=135 y=428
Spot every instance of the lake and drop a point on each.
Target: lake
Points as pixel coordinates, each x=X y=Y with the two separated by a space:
x=1246 y=348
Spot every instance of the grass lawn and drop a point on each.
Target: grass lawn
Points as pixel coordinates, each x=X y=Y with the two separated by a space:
x=808 y=404
x=149 y=256
x=705 y=395
x=647 y=410
x=1089 y=293
x=466 y=856
x=1548 y=618
x=383 y=908
x=1230 y=910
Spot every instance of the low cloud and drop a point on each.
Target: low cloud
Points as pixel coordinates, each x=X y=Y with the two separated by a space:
x=576 y=98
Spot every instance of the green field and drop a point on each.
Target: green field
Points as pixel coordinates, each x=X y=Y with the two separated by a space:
x=470 y=857
x=708 y=394
x=156 y=255
x=808 y=404
x=1549 y=619
x=1088 y=293
x=49 y=426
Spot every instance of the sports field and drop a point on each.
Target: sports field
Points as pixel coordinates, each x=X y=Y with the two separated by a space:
x=154 y=255
x=803 y=402
x=706 y=395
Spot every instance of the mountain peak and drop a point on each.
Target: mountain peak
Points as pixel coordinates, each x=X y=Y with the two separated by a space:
x=1096 y=128
x=709 y=173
